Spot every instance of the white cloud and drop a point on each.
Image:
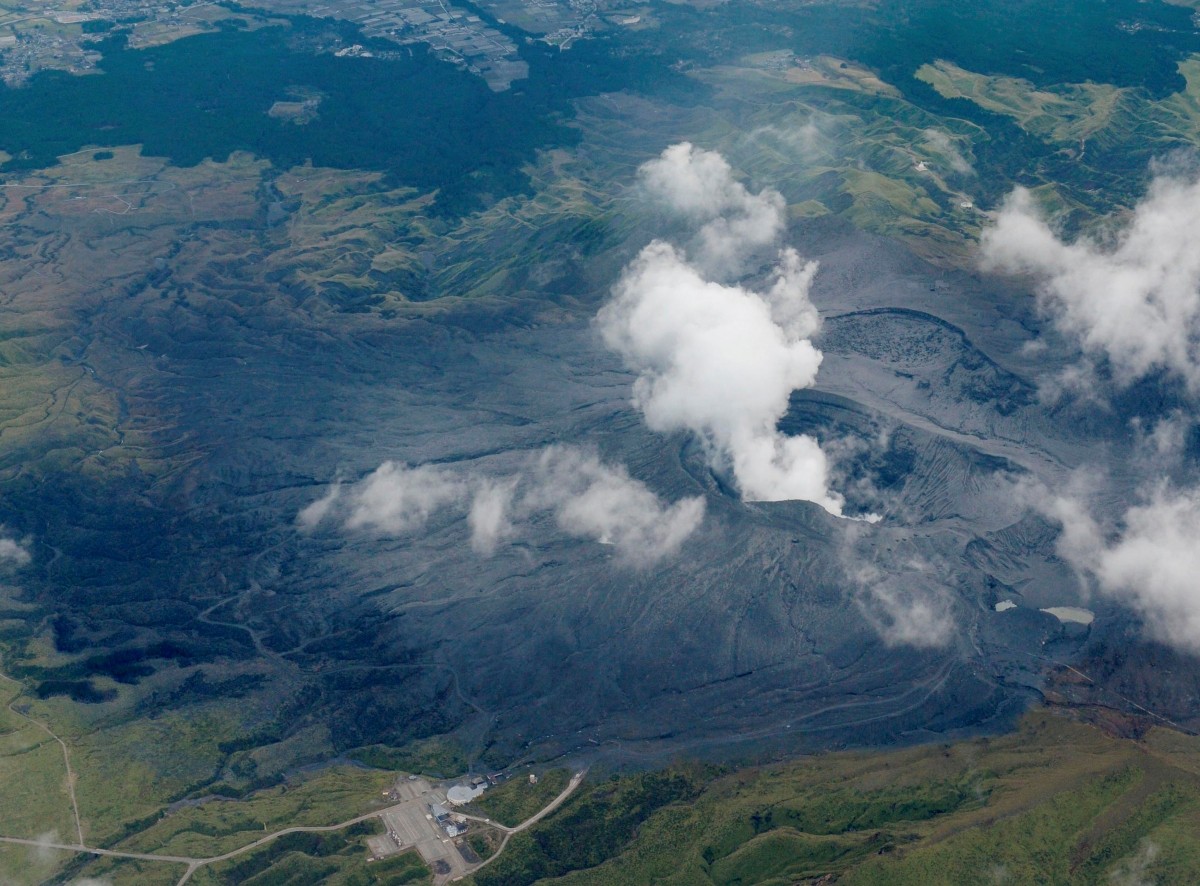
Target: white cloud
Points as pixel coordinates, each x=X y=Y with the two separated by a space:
x=594 y=500
x=1132 y=297
x=1134 y=871
x=942 y=144
x=316 y=512
x=13 y=551
x=721 y=360
x=698 y=186
x=1168 y=437
x=397 y=499
x=807 y=139
x=1150 y=562
x=490 y=516
x=44 y=852
x=586 y=498
x=1159 y=445
x=906 y=606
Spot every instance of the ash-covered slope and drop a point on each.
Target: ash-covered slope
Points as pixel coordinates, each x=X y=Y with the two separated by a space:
x=228 y=391
x=774 y=621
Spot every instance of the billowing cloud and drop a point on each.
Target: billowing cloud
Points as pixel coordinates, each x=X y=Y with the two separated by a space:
x=586 y=498
x=598 y=501
x=698 y=186
x=396 y=499
x=722 y=359
x=1162 y=441
x=1132 y=297
x=14 y=552
x=1149 y=562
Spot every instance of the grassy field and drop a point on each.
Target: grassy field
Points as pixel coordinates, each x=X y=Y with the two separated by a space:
x=516 y=800
x=1061 y=113
x=33 y=865
x=1056 y=802
x=339 y=859
x=35 y=798
x=484 y=840
x=435 y=757
x=332 y=795
x=121 y=871
x=1074 y=113
x=592 y=826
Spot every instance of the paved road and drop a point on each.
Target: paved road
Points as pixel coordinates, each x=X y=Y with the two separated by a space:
x=76 y=847
x=193 y=864
x=575 y=781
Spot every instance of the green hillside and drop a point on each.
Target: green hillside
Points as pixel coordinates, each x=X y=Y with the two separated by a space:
x=1056 y=802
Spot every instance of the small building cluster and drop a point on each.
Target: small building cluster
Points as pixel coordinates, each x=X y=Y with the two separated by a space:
x=452 y=823
x=462 y=794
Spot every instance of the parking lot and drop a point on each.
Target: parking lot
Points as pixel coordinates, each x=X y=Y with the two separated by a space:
x=410 y=825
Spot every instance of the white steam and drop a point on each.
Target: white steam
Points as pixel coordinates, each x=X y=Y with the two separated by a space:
x=721 y=359
x=44 y=852
x=1133 y=297
x=698 y=186
x=807 y=140
x=585 y=497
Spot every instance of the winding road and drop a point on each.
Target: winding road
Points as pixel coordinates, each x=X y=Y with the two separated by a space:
x=576 y=781
x=194 y=864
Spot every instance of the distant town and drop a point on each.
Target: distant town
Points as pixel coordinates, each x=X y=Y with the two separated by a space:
x=39 y=35
x=453 y=33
